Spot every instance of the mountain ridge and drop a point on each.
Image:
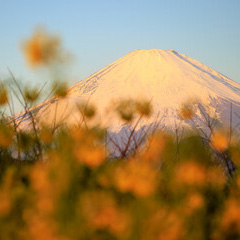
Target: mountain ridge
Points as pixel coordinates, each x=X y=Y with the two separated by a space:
x=167 y=78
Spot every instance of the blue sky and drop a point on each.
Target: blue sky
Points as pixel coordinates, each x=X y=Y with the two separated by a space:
x=99 y=32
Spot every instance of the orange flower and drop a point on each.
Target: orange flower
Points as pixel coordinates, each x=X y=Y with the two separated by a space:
x=40 y=178
x=60 y=89
x=173 y=229
x=42 y=49
x=34 y=52
x=195 y=201
x=216 y=177
x=186 y=112
x=87 y=148
x=137 y=177
x=102 y=212
x=144 y=108
x=219 y=141
x=3 y=95
x=191 y=173
x=46 y=135
x=31 y=94
x=238 y=181
x=91 y=157
x=6 y=135
x=155 y=148
x=231 y=216
x=164 y=224
x=44 y=229
x=5 y=203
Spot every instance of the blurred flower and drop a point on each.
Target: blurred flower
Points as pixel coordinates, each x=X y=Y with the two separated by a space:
x=231 y=216
x=26 y=141
x=126 y=110
x=194 y=202
x=101 y=212
x=3 y=95
x=173 y=229
x=40 y=227
x=46 y=135
x=155 y=146
x=104 y=180
x=144 y=108
x=238 y=181
x=92 y=157
x=87 y=110
x=5 y=203
x=87 y=148
x=219 y=140
x=164 y=224
x=191 y=173
x=42 y=184
x=215 y=177
x=186 y=112
x=60 y=89
x=42 y=49
x=136 y=177
x=6 y=135
x=31 y=95
x=40 y=179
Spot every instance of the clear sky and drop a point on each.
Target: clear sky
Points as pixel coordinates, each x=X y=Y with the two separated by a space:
x=99 y=32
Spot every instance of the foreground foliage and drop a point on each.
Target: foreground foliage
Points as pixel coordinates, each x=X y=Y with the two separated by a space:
x=75 y=192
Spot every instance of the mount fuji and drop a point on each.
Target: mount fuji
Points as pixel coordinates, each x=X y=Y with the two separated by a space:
x=166 y=78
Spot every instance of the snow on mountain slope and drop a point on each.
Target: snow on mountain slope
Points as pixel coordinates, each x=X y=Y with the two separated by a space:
x=165 y=77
